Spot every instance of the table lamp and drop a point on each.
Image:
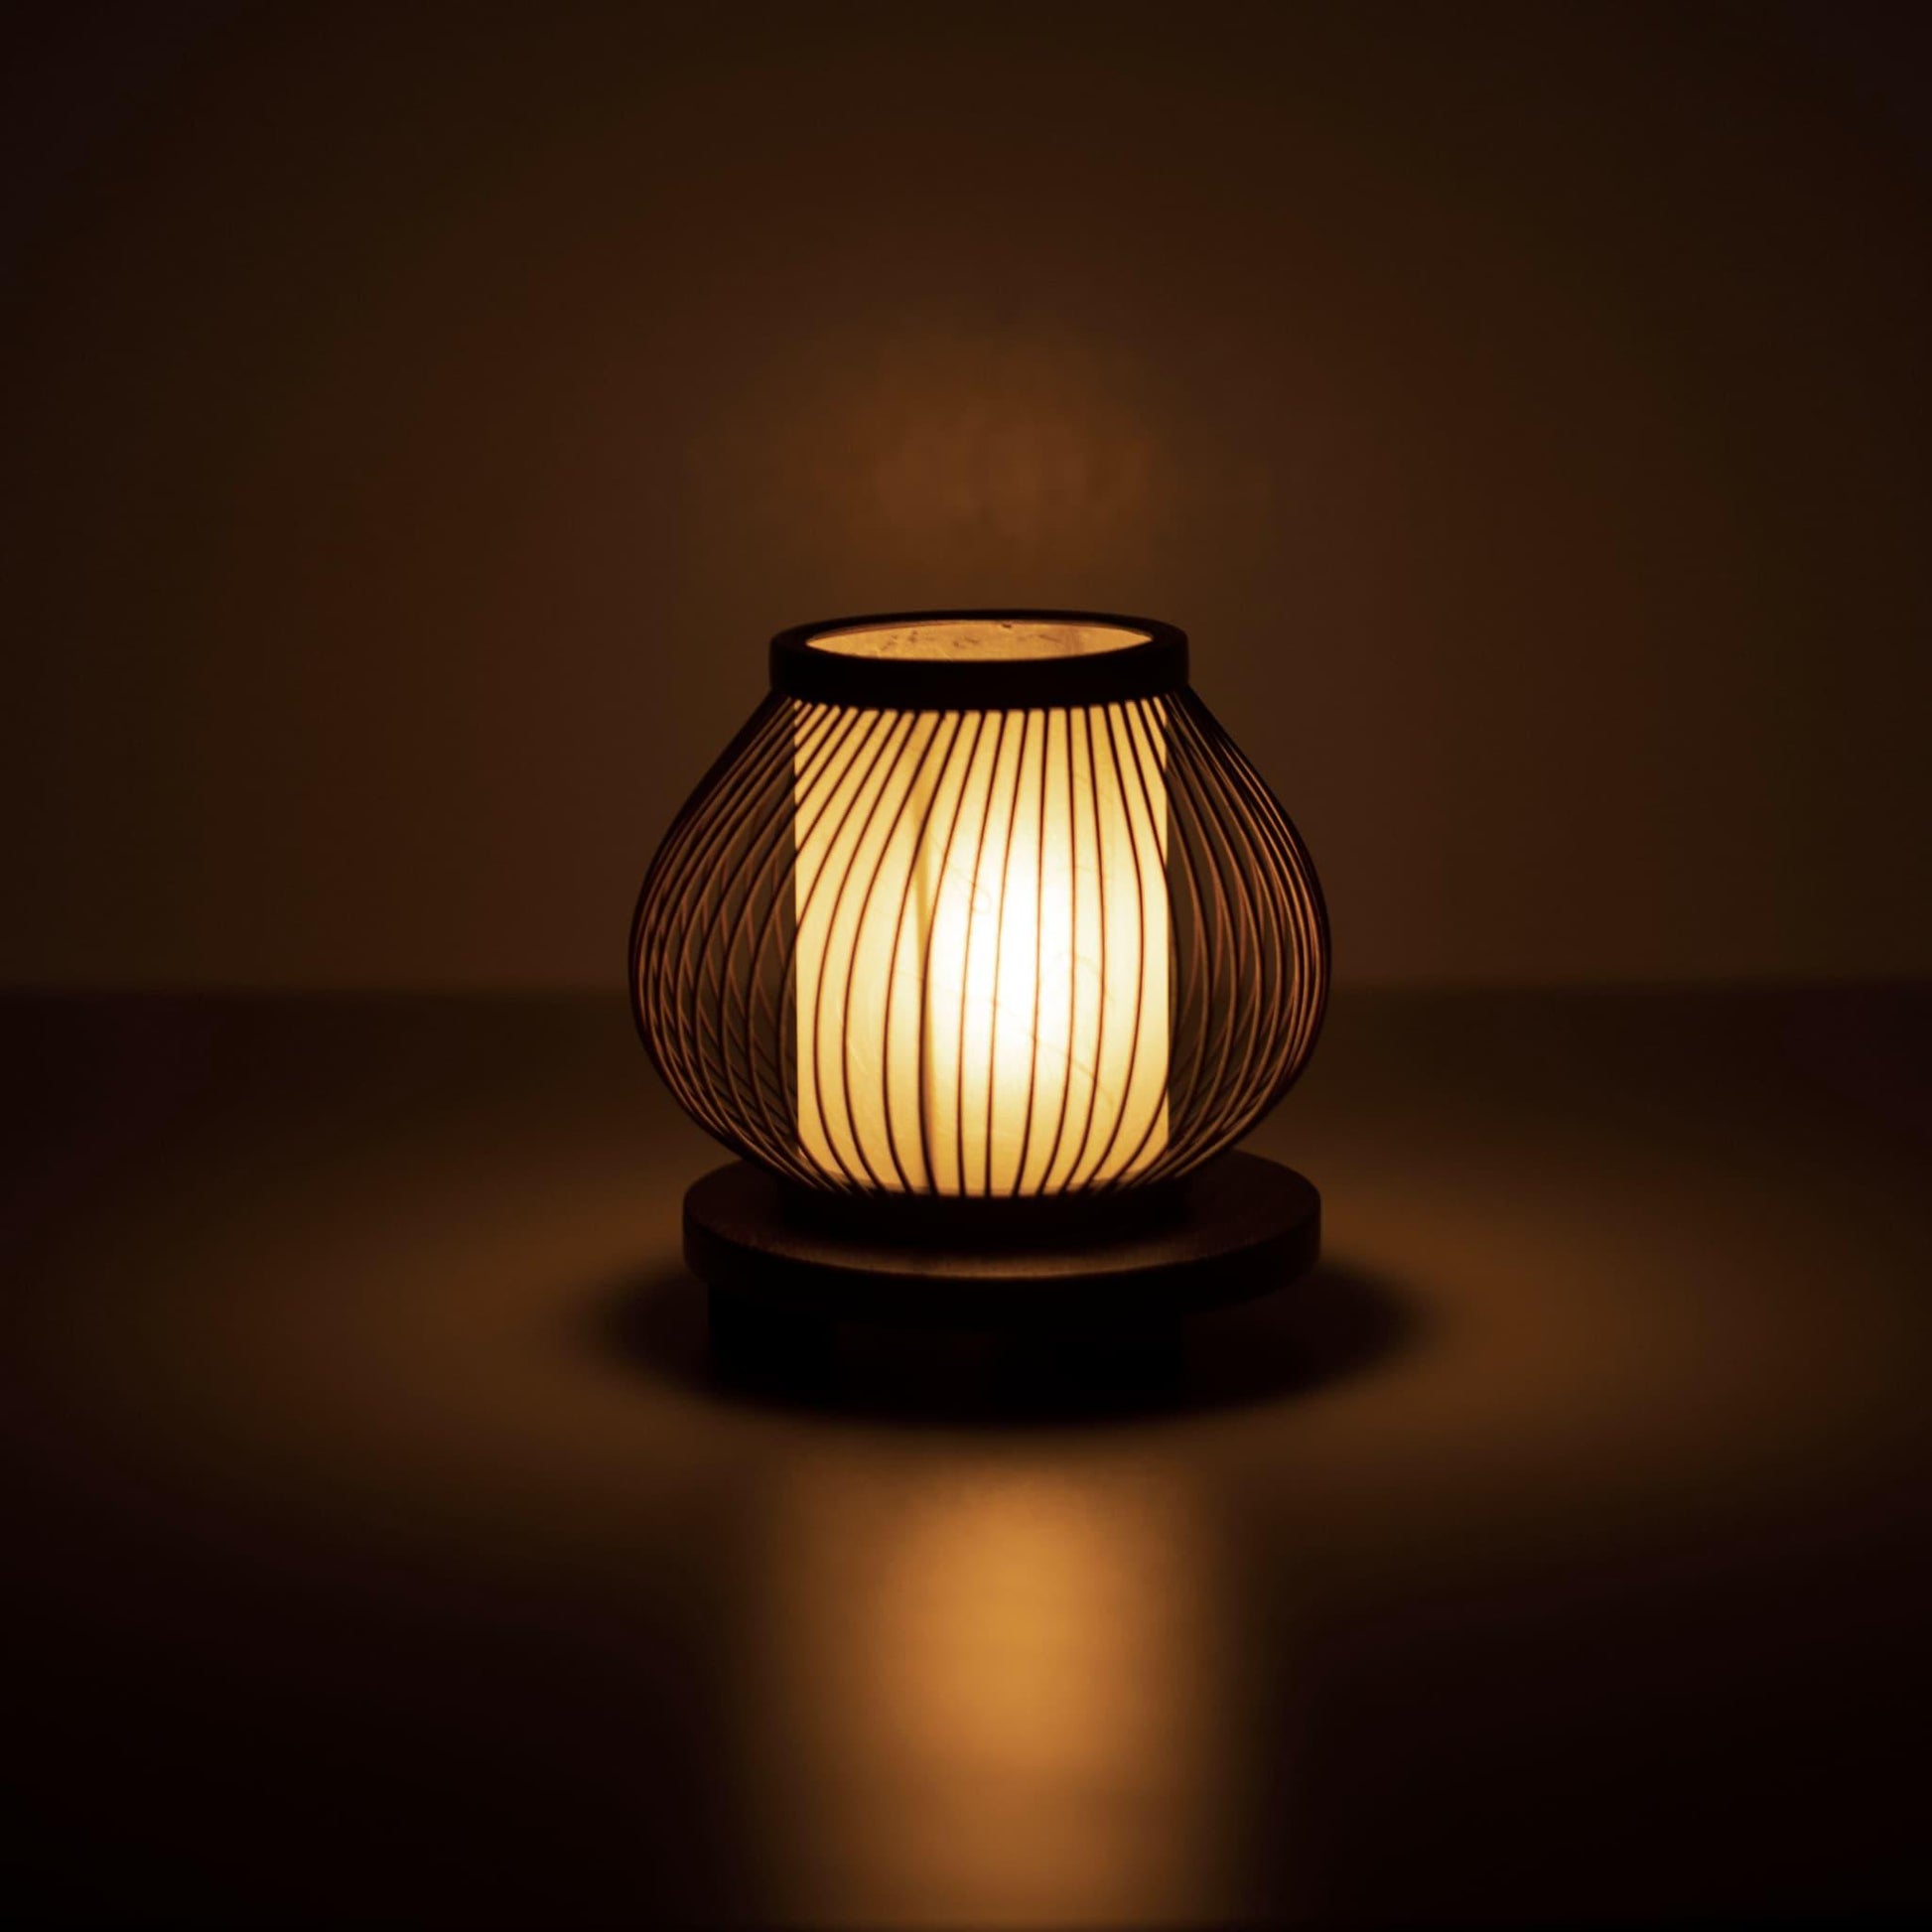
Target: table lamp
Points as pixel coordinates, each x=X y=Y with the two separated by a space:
x=981 y=945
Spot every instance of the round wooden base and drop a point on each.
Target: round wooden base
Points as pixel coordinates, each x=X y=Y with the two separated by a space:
x=1237 y=1227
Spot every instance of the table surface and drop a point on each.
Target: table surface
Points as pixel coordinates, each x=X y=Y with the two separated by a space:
x=385 y=1544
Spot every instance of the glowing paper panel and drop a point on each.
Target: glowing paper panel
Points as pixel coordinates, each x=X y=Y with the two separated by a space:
x=981 y=962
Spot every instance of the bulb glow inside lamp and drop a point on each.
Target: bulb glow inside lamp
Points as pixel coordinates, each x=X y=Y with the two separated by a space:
x=981 y=947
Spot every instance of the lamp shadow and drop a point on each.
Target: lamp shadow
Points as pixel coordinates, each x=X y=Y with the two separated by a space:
x=1330 y=1326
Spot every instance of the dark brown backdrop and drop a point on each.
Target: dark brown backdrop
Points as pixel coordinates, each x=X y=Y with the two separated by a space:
x=417 y=418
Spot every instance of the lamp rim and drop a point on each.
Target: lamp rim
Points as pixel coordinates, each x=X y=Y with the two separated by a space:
x=1153 y=663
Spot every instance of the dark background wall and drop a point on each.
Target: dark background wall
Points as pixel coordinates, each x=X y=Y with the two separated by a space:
x=416 y=419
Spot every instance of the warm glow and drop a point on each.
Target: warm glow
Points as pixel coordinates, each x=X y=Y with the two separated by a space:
x=993 y=1693
x=982 y=945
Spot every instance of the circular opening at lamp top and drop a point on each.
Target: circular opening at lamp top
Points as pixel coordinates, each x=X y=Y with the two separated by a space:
x=977 y=640
x=979 y=659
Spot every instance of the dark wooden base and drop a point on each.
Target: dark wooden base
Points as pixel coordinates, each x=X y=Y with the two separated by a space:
x=1238 y=1227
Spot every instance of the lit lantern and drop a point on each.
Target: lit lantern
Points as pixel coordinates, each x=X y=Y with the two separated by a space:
x=982 y=944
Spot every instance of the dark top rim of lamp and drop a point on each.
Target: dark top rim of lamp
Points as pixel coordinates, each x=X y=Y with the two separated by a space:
x=979 y=660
